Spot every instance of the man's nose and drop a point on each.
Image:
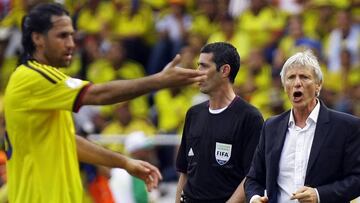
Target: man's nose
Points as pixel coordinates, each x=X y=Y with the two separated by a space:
x=70 y=43
x=297 y=82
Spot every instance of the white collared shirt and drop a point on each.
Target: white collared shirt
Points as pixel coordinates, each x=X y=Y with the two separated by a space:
x=295 y=156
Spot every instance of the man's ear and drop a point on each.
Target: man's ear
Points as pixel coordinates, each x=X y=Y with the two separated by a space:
x=38 y=39
x=225 y=70
x=318 y=89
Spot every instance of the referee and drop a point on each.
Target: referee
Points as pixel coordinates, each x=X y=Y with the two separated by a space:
x=220 y=135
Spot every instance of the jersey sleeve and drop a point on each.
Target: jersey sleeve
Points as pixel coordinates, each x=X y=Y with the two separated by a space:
x=181 y=160
x=65 y=94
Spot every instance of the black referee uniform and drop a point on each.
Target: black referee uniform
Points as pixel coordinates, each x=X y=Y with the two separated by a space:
x=216 y=150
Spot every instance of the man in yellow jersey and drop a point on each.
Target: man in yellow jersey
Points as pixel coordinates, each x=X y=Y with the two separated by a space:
x=42 y=148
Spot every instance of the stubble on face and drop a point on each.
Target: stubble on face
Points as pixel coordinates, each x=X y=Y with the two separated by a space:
x=206 y=63
x=59 y=42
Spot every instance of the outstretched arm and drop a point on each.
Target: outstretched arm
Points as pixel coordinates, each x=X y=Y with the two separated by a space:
x=89 y=152
x=121 y=90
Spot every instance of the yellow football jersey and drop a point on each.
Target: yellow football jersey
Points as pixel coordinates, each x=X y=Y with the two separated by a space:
x=40 y=141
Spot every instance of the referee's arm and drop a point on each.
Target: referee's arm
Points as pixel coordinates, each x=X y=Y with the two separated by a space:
x=180 y=186
x=239 y=195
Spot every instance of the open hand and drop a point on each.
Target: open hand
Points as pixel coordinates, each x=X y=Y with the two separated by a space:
x=145 y=171
x=173 y=75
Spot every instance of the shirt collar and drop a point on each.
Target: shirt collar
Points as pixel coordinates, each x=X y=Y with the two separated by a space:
x=34 y=62
x=313 y=115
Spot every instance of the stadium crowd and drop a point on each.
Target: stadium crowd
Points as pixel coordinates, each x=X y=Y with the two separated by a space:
x=127 y=39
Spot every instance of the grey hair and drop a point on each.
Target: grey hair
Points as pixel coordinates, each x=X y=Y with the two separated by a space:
x=305 y=59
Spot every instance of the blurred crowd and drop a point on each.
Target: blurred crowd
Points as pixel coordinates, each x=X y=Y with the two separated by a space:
x=127 y=39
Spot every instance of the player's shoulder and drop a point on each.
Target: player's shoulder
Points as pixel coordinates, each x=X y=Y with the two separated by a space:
x=22 y=76
x=45 y=72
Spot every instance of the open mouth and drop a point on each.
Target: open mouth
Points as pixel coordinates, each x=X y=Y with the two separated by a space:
x=68 y=56
x=297 y=95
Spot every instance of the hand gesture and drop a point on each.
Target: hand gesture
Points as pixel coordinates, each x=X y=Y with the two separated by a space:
x=305 y=194
x=173 y=75
x=145 y=171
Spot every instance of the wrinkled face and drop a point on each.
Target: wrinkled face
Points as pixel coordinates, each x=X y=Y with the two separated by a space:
x=213 y=77
x=301 y=86
x=57 y=45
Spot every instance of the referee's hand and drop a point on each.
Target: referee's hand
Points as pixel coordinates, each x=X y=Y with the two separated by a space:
x=145 y=171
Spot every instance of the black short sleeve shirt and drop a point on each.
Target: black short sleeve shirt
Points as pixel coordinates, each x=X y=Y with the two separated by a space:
x=216 y=149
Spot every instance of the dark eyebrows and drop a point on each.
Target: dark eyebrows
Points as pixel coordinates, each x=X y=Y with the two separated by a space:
x=66 y=33
x=202 y=64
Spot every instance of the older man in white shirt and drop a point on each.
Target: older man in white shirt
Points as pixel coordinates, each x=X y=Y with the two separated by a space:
x=310 y=153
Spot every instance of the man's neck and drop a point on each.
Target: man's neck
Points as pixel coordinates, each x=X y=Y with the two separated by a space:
x=301 y=114
x=221 y=98
x=40 y=58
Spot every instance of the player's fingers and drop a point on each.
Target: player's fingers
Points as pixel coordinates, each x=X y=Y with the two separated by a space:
x=149 y=183
x=176 y=60
x=197 y=79
x=153 y=170
x=148 y=186
x=191 y=72
x=152 y=177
